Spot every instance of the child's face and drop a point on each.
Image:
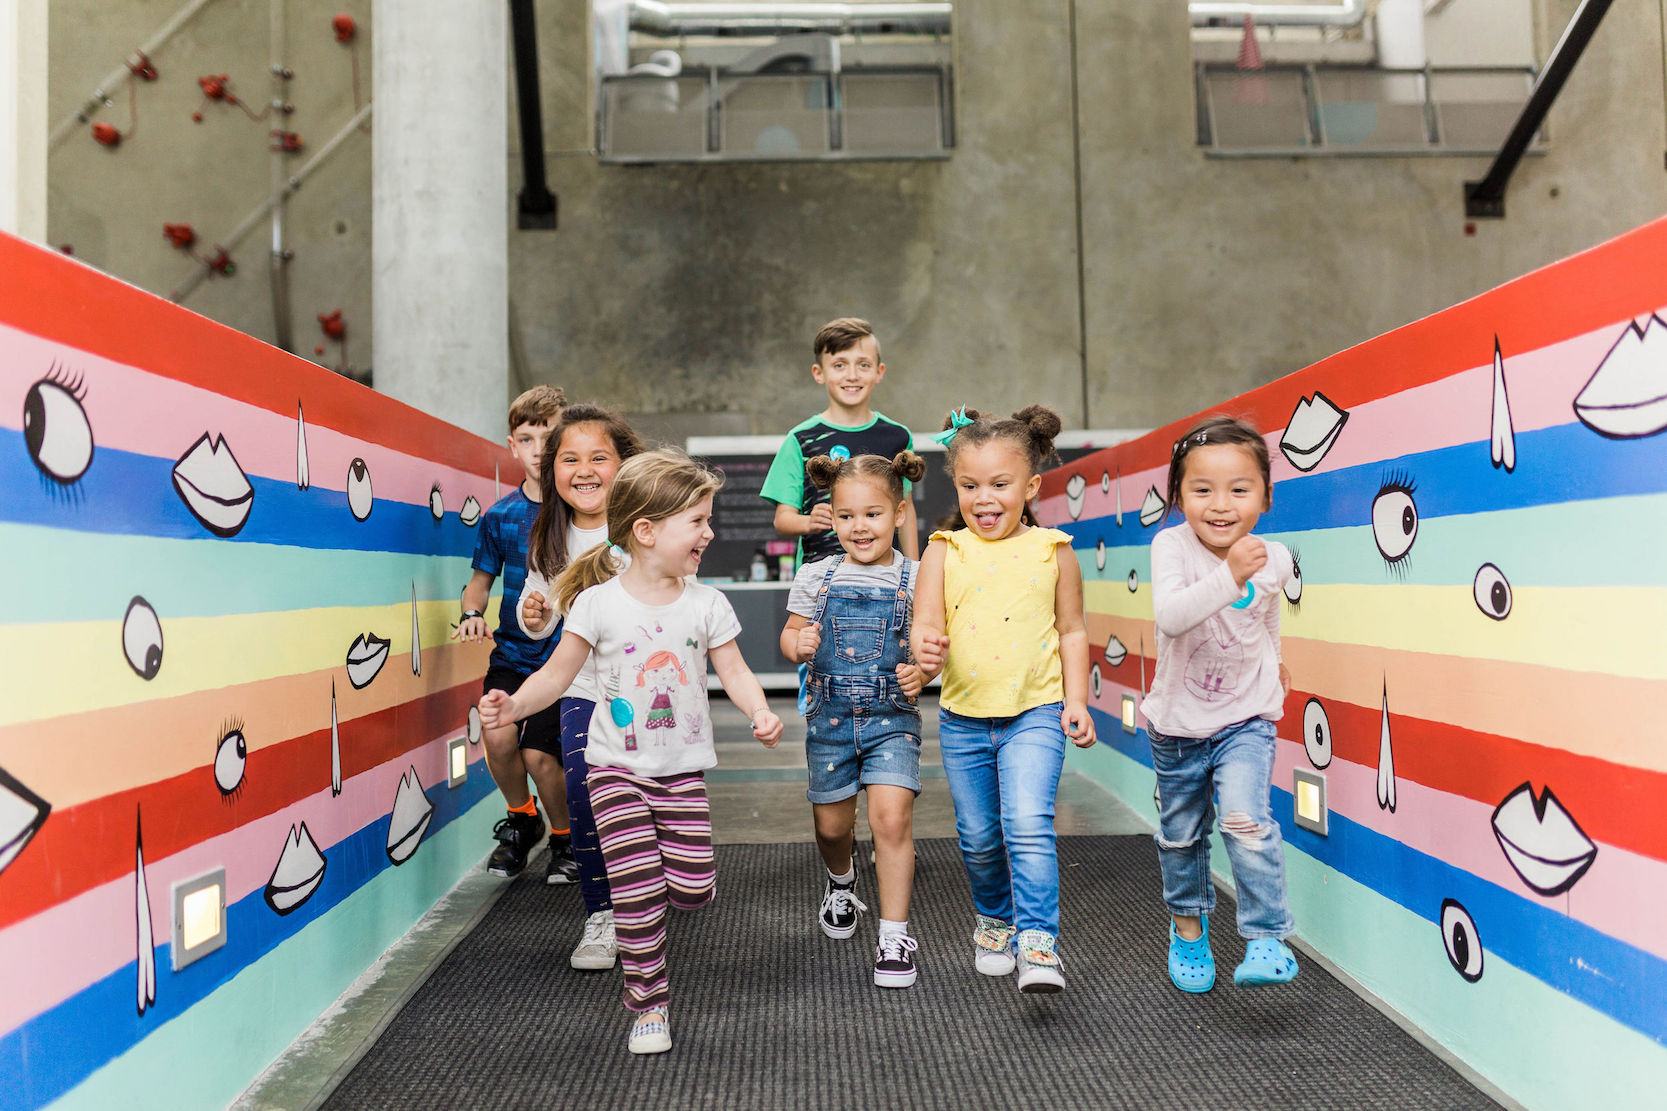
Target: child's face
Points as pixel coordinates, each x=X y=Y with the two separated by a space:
x=585 y=464
x=865 y=518
x=1222 y=494
x=526 y=443
x=851 y=375
x=676 y=543
x=992 y=483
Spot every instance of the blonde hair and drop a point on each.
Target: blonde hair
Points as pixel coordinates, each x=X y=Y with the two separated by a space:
x=649 y=487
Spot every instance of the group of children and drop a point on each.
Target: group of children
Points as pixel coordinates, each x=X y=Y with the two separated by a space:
x=597 y=683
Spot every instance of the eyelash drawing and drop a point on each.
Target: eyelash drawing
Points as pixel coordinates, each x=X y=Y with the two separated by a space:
x=1395 y=520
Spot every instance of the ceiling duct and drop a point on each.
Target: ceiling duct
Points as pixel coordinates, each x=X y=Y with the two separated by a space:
x=657 y=18
x=1348 y=13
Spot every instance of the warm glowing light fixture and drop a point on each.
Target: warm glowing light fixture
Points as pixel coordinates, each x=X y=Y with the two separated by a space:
x=1129 y=710
x=199 y=917
x=1308 y=799
x=457 y=761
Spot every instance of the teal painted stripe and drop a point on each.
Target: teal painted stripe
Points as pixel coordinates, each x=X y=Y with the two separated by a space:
x=95 y=577
x=1588 y=543
x=208 y=1055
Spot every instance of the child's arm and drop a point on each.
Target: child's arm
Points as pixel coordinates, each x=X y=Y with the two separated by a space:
x=1270 y=618
x=475 y=597
x=910 y=530
x=1073 y=650
x=926 y=635
x=1178 y=605
x=535 y=610
x=790 y=522
x=743 y=689
x=800 y=638
x=542 y=687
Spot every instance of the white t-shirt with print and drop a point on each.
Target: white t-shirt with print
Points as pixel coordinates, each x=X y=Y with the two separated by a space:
x=579 y=541
x=652 y=717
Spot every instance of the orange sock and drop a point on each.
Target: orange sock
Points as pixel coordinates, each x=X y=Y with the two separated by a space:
x=560 y=832
x=528 y=807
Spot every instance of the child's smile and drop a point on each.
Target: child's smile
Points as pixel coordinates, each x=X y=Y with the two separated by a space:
x=1222 y=495
x=865 y=519
x=585 y=464
x=993 y=482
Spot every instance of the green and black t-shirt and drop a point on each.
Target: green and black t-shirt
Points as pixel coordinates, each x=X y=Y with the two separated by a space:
x=786 y=483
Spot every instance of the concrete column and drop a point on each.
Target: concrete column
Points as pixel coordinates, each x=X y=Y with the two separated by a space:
x=23 y=126
x=1401 y=34
x=440 y=209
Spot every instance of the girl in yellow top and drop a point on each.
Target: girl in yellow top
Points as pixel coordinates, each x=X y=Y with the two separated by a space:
x=999 y=612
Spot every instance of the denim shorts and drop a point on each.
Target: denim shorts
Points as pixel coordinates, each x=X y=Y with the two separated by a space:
x=837 y=769
x=858 y=733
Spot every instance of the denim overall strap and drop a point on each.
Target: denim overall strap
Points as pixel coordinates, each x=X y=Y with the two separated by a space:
x=903 y=612
x=822 y=593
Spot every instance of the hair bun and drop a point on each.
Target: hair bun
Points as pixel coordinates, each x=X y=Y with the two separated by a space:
x=822 y=470
x=909 y=465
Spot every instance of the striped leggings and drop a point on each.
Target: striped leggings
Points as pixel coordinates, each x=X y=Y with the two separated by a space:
x=657 y=843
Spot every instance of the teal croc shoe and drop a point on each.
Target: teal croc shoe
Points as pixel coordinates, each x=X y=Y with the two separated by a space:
x=1267 y=960
x=1192 y=967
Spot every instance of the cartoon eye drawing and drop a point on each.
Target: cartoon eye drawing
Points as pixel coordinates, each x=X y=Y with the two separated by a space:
x=474 y=728
x=1105 y=482
x=1075 y=490
x=365 y=658
x=299 y=871
x=1116 y=652
x=1626 y=397
x=1094 y=679
x=22 y=813
x=1311 y=431
x=411 y=815
x=1493 y=592
x=359 y=498
x=55 y=427
x=231 y=756
x=1316 y=733
x=1542 y=842
x=436 y=504
x=142 y=638
x=1134 y=582
x=1152 y=508
x=1458 y=935
x=213 y=486
x=470 y=513
x=1293 y=588
x=1100 y=556
x=1395 y=519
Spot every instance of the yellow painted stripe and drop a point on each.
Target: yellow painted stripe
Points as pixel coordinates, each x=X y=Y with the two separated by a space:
x=1614 y=630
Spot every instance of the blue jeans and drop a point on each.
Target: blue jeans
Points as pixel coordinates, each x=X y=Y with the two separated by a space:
x=1003 y=774
x=1230 y=772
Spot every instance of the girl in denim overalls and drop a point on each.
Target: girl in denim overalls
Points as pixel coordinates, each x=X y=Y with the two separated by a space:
x=849 y=620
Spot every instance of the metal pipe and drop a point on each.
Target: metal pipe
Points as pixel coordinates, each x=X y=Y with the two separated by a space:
x=278 y=259
x=657 y=17
x=99 y=97
x=535 y=205
x=1349 y=13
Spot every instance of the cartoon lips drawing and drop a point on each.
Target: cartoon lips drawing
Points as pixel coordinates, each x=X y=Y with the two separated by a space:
x=1075 y=490
x=1626 y=397
x=299 y=871
x=1116 y=652
x=213 y=486
x=1153 y=508
x=22 y=813
x=360 y=498
x=365 y=658
x=412 y=813
x=1542 y=842
x=1311 y=431
x=470 y=513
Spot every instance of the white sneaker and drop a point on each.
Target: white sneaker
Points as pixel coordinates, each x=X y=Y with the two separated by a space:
x=651 y=1033
x=992 y=941
x=597 y=949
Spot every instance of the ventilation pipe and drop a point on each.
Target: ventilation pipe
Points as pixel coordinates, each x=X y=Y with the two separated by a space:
x=1349 y=13
x=659 y=18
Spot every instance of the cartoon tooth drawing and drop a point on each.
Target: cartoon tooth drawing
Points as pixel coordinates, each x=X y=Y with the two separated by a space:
x=365 y=658
x=1316 y=735
x=436 y=503
x=1075 y=490
x=409 y=820
x=56 y=430
x=336 y=746
x=146 y=971
x=1119 y=497
x=416 y=635
x=1152 y=508
x=1386 y=760
x=299 y=871
x=470 y=513
x=1626 y=397
x=360 y=499
x=1116 y=651
x=1542 y=842
x=22 y=813
x=1458 y=936
x=213 y=486
x=301 y=480
x=1311 y=431
x=231 y=757
x=473 y=731
x=1502 y=437
x=142 y=638
x=1492 y=591
x=497 y=490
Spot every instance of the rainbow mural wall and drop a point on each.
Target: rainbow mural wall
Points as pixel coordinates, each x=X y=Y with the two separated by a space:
x=1478 y=506
x=232 y=577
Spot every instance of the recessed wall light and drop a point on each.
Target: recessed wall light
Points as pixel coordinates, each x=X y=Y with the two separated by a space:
x=199 y=917
x=1308 y=800
x=1130 y=710
x=457 y=761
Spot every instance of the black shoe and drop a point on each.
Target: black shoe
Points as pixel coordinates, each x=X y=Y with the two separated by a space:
x=518 y=835
x=894 y=961
x=838 y=912
x=563 y=868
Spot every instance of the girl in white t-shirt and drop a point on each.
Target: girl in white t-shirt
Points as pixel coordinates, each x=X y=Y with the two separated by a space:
x=648 y=632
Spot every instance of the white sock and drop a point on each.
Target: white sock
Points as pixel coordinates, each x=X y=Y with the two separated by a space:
x=848 y=878
x=887 y=926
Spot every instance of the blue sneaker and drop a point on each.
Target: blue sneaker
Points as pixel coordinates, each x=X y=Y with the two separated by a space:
x=1192 y=967
x=1267 y=960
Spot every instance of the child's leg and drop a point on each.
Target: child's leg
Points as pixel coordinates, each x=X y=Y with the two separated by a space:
x=1030 y=753
x=969 y=763
x=625 y=823
x=541 y=753
x=587 y=851
x=1243 y=768
x=683 y=820
x=891 y=815
x=1184 y=816
x=836 y=824
x=503 y=760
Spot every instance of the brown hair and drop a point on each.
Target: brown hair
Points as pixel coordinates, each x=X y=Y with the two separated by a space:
x=539 y=405
x=1214 y=431
x=842 y=335
x=1031 y=429
x=827 y=472
x=649 y=487
x=547 y=545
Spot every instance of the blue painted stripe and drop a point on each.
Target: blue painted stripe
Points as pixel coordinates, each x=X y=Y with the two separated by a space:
x=57 y=1049
x=123 y=492
x=1621 y=981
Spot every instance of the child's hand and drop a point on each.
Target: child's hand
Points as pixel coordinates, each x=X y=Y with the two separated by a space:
x=766 y=726
x=1079 y=726
x=1285 y=679
x=810 y=638
x=933 y=648
x=471 y=629
x=820 y=518
x=911 y=679
x=497 y=708
x=1247 y=556
x=535 y=611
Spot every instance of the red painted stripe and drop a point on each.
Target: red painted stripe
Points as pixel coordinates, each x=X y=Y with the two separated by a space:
x=91 y=843
x=1613 y=803
x=46 y=294
x=1614 y=281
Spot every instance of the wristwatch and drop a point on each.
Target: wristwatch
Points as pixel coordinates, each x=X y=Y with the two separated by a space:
x=470 y=613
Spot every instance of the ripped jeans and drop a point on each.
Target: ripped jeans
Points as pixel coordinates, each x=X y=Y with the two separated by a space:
x=1229 y=772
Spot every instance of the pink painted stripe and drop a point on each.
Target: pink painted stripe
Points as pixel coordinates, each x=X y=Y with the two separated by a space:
x=78 y=942
x=147 y=414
